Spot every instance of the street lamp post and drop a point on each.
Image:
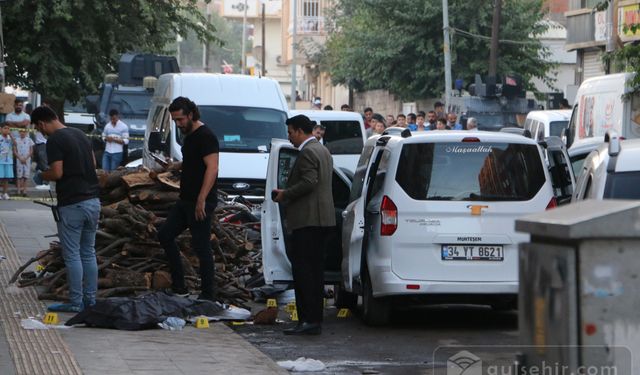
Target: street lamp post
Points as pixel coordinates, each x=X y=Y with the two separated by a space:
x=244 y=37
x=447 y=54
x=293 y=54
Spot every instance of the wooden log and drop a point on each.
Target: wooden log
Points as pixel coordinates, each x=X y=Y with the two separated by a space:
x=137 y=179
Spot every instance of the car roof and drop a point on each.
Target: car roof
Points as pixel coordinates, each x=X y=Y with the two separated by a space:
x=551 y=115
x=314 y=114
x=459 y=135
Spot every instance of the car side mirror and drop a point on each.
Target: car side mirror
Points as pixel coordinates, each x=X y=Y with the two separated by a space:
x=155 y=141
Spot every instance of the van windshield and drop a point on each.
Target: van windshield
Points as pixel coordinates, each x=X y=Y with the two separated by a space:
x=470 y=171
x=243 y=129
x=342 y=137
x=556 y=127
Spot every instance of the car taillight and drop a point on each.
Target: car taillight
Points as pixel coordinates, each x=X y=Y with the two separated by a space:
x=553 y=203
x=389 y=213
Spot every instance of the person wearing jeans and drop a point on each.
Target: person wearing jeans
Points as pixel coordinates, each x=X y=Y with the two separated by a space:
x=198 y=198
x=72 y=165
x=115 y=135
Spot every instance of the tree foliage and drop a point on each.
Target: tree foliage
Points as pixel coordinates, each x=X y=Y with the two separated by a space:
x=398 y=44
x=63 y=48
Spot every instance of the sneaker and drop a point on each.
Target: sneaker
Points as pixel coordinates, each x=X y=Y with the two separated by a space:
x=43 y=187
x=5 y=196
x=64 y=307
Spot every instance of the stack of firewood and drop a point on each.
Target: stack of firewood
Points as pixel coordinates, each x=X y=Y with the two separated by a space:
x=130 y=259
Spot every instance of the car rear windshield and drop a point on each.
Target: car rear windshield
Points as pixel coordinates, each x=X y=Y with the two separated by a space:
x=623 y=185
x=342 y=137
x=243 y=129
x=470 y=171
x=556 y=127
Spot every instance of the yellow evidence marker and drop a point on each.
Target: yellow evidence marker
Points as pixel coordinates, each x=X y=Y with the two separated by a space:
x=344 y=313
x=202 y=322
x=51 y=318
x=294 y=316
x=271 y=302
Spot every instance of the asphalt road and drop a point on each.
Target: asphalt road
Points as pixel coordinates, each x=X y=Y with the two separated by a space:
x=404 y=347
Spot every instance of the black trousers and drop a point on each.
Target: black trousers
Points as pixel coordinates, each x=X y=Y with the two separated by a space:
x=306 y=254
x=181 y=217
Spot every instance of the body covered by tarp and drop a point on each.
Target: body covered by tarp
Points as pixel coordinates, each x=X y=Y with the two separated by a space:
x=147 y=310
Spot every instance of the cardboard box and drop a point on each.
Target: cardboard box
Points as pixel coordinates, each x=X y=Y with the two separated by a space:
x=6 y=102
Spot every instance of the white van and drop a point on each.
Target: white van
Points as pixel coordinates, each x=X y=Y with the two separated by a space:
x=602 y=104
x=244 y=112
x=543 y=124
x=344 y=135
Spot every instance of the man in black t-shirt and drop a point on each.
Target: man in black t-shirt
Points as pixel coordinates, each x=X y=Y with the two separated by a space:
x=73 y=166
x=198 y=198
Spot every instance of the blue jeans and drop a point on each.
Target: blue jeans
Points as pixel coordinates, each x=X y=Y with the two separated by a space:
x=110 y=161
x=77 y=233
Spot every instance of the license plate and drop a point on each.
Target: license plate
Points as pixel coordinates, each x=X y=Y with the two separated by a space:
x=494 y=253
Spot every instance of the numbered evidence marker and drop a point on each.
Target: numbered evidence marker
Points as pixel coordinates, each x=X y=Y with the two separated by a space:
x=51 y=318
x=294 y=315
x=344 y=313
x=202 y=322
x=291 y=306
x=271 y=302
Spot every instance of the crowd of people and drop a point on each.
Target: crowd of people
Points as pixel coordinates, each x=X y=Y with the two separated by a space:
x=435 y=119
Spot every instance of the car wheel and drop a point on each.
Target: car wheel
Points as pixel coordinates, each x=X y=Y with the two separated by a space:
x=375 y=311
x=344 y=299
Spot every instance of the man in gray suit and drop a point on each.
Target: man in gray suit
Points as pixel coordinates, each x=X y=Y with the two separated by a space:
x=309 y=213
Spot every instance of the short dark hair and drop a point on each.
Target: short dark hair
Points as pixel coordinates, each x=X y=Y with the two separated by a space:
x=345 y=106
x=368 y=109
x=18 y=100
x=114 y=112
x=438 y=104
x=44 y=114
x=411 y=116
x=434 y=112
x=401 y=115
x=187 y=107
x=421 y=113
x=328 y=108
x=301 y=122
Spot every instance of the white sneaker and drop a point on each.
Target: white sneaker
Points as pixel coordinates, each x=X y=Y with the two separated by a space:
x=42 y=187
x=5 y=196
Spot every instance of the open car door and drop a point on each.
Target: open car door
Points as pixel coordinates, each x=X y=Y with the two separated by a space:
x=275 y=263
x=560 y=169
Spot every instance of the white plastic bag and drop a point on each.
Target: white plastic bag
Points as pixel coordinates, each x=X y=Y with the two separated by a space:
x=303 y=364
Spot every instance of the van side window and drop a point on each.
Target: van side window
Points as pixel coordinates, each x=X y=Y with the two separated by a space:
x=571 y=131
x=165 y=126
x=381 y=173
x=156 y=121
x=361 y=170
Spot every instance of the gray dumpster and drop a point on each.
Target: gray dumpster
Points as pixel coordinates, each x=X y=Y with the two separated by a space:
x=579 y=300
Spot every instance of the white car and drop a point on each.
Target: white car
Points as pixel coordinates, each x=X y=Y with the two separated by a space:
x=432 y=218
x=344 y=135
x=611 y=171
x=543 y=124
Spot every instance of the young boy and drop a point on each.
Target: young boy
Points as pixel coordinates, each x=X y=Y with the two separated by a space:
x=23 y=153
x=6 y=160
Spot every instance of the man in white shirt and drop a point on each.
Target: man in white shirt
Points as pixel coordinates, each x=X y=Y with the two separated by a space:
x=115 y=135
x=18 y=119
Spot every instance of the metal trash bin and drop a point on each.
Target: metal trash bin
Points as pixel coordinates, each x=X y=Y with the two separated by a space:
x=579 y=297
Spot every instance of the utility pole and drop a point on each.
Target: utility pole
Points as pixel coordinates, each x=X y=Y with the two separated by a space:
x=495 y=30
x=263 y=57
x=205 y=57
x=2 y=62
x=293 y=54
x=447 y=54
x=244 y=37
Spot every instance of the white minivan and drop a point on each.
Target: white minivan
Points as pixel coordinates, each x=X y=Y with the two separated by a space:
x=244 y=112
x=344 y=135
x=543 y=124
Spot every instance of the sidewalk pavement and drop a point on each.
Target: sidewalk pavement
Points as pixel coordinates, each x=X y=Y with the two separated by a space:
x=82 y=350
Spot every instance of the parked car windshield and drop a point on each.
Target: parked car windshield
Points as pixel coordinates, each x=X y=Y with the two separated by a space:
x=623 y=185
x=242 y=129
x=343 y=137
x=556 y=127
x=470 y=171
